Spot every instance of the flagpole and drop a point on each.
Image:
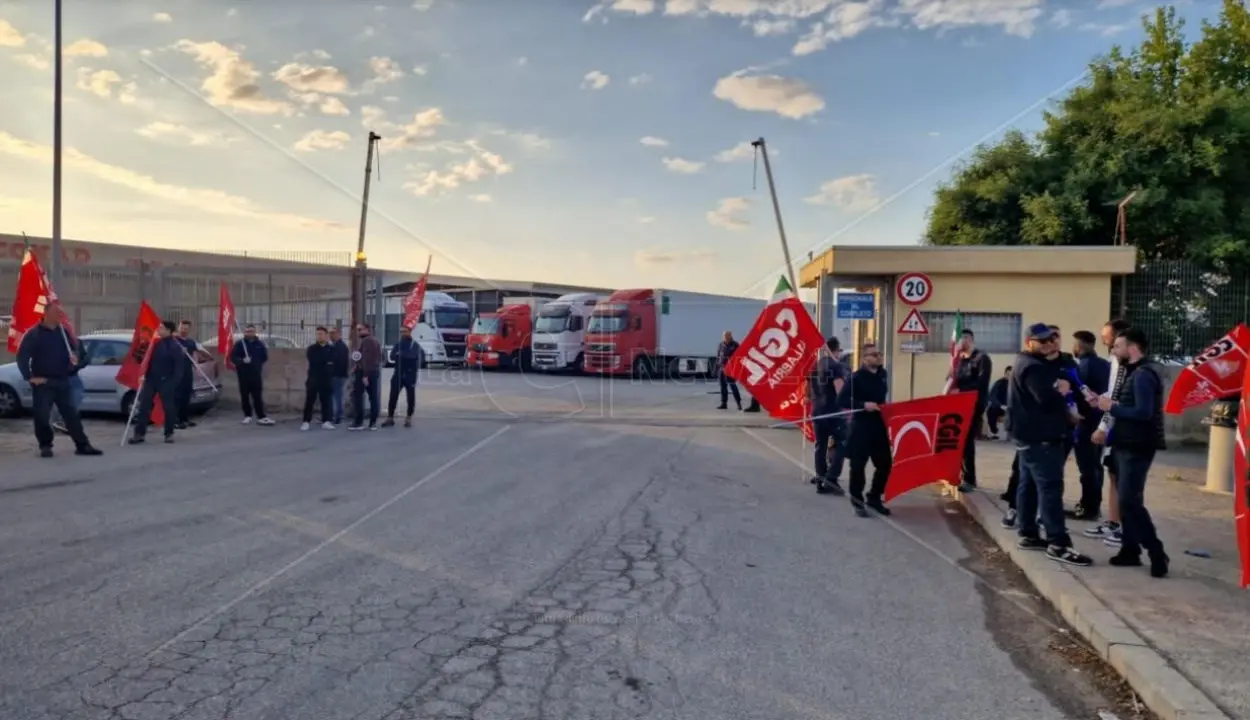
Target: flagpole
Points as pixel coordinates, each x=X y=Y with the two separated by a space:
x=134 y=405
x=800 y=421
x=781 y=228
x=56 y=148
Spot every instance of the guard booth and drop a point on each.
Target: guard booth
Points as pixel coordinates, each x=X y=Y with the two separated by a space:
x=906 y=298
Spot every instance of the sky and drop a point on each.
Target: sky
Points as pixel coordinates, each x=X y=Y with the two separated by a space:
x=560 y=141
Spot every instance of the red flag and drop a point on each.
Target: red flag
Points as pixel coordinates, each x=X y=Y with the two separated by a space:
x=416 y=298
x=927 y=438
x=34 y=294
x=225 y=325
x=1241 y=483
x=1215 y=374
x=135 y=364
x=775 y=357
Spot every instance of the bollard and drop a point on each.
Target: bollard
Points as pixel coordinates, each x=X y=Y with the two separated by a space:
x=1222 y=446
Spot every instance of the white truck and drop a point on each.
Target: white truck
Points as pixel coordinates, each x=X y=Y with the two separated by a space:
x=560 y=332
x=442 y=328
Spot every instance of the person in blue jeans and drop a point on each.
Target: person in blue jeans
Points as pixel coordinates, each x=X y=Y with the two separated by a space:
x=76 y=390
x=1041 y=425
x=342 y=365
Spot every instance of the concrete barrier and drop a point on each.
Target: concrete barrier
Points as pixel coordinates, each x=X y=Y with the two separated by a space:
x=284 y=377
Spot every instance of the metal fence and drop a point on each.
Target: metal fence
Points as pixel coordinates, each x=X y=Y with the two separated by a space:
x=1182 y=308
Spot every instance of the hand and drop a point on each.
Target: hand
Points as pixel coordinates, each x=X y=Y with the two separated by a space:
x=1090 y=396
x=1063 y=386
x=73 y=359
x=247 y=360
x=37 y=381
x=872 y=407
x=1105 y=403
x=364 y=382
x=1098 y=438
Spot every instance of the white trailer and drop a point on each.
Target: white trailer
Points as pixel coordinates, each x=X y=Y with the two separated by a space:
x=690 y=325
x=560 y=332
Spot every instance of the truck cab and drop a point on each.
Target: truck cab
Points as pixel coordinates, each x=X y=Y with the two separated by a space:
x=443 y=328
x=621 y=333
x=502 y=339
x=560 y=332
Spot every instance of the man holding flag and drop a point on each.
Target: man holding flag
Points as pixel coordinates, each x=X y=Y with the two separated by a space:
x=971 y=372
x=46 y=361
x=163 y=370
x=870 y=440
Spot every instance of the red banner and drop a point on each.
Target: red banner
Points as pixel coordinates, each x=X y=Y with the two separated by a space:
x=1215 y=374
x=927 y=438
x=1241 y=483
x=34 y=294
x=774 y=359
x=135 y=364
x=416 y=298
x=225 y=326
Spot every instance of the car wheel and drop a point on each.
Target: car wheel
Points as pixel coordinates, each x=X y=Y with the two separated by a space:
x=10 y=403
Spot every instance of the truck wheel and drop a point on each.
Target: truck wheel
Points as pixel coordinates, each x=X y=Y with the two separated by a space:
x=641 y=368
x=673 y=369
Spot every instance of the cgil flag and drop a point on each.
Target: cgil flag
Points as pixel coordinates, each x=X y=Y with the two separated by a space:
x=416 y=298
x=34 y=295
x=1217 y=373
x=138 y=357
x=927 y=438
x=226 y=324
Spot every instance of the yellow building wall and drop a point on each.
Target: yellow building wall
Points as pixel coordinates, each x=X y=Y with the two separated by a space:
x=1073 y=302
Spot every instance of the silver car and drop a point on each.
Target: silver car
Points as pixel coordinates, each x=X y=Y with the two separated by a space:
x=101 y=391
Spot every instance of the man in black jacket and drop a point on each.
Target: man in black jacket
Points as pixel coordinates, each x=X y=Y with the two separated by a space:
x=1095 y=376
x=866 y=392
x=342 y=367
x=45 y=362
x=188 y=375
x=824 y=386
x=249 y=356
x=728 y=346
x=318 y=386
x=406 y=357
x=972 y=375
x=1138 y=414
x=997 y=406
x=1040 y=419
x=164 y=378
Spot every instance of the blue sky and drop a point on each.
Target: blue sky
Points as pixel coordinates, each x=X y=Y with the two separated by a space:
x=514 y=132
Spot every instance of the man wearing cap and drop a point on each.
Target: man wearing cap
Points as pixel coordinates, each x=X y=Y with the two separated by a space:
x=1041 y=420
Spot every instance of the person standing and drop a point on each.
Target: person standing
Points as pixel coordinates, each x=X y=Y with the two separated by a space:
x=46 y=361
x=164 y=379
x=342 y=364
x=1109 y=530
x=406 y=356
x=1138 y=414
x=317 y=387
x=996 y=408
x=825 y=386
x=1040 y=422
x=728 y=346
x=366 y=376
x=869 y=439
x=972 y=374
x=189 y=347
x=249 y=356
x=1095 y=376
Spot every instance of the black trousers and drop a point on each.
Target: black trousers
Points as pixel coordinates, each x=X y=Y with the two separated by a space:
x=993 y=414
x=318 y=390
x=183 y=395
x=728 y=385
x=410 y=393
x=56 y=393
x=168 y=392
x=969 y=469
x=358 y=397
x=869 y=444
x=252 y=394
x=1137 y=527
x=1089 y=463
x=826 y=430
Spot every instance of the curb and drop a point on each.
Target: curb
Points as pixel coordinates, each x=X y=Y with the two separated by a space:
x=1161 y=687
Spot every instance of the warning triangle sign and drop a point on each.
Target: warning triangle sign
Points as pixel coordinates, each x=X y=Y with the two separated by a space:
x=913 y=324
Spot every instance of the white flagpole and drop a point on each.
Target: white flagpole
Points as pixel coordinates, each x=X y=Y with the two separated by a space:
x=197 y=367
x=134 y=407
x=840 y=413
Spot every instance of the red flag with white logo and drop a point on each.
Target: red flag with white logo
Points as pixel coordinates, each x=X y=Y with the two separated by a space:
x=1241 y=483
x=775 y=357
x=34 y=295
x=225 y=325
x=927 y=438
x=416 y=298
x=1216 y=373
x=139 y=356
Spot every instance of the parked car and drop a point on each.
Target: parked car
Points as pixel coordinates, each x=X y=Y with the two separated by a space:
x=275 y=342
x=102 y=393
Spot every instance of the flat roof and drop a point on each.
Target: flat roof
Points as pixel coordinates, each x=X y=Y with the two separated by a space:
x=969 y=260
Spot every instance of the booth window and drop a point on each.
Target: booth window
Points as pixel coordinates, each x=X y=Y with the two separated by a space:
x=996 y=333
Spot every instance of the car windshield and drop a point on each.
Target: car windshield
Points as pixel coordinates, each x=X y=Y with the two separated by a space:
x=486 y=326
x=552 y=321
x=452 y=318
x=106 y=352
x=607 y=322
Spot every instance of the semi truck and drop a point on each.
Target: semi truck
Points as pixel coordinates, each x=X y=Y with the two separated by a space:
x=663 y=332
x=442 y=328
x=503 y=339
x=560 y=332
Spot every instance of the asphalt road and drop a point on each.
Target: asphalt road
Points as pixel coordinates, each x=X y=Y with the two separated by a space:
x=531 y=549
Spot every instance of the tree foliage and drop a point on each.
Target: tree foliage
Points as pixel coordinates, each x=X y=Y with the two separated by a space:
x=1168 y=119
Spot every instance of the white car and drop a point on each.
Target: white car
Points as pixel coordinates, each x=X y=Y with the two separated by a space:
x=275 y=342
x=101 y=391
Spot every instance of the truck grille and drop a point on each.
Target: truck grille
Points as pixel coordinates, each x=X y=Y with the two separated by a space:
x=544 y=346
x=454 y=351
x=600 y=347
x=479 y=347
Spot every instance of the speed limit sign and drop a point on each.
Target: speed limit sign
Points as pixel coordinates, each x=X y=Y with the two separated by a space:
x=914 y=289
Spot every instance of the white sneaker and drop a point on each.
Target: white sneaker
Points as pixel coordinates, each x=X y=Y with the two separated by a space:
x=265 y=421
x=304 y=427
x=327 y=426
x=247 y=420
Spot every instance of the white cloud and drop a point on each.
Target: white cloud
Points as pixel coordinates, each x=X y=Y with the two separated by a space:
x=31 y=60
x=767 y=28
x=234 y=82
x=522 y=61
x=86 y=48
x=642 y=79
x=184 y=134
x=422 y=5
x=232 y=12
x=400 y=136
x=1061 y=18
x=98 y=82
x=646 y=220
x=9 y=35
x=649 y=258
x=161 y=17
x=633 y=7
x=421 y=70
x=682 y=166
x=595 y=80
x=741 y=151
x=845 y=21
x=482 y=198
x=1109 y=4
x=769 y=93
x=934 y=133
x=325 y=104
x=203 y=199
x=857 y=193
x=384 y=70
x=652 y=141
x=323 y=140
x=729 y=214
x=1104 y=29
x=372 y=117
x=310 y=78
x=484 y=164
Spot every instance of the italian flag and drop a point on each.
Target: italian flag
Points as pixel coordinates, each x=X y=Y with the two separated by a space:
x=783 y=291
x=957 y=332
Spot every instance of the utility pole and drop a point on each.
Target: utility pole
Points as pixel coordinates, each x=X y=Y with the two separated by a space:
x=781 y=228
x=55 y=261
x=359 y=283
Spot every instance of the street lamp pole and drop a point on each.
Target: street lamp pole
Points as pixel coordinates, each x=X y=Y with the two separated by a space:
x=55 y=260
x=359 y=283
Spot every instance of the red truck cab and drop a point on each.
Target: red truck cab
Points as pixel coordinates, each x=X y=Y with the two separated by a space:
x=621 y=334
x=502 y=339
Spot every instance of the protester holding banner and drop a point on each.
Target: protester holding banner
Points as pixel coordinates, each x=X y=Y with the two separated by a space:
x=47 y=362
x=164 y=370
x=972 y=373
x=825 y=385
x=249 y=356
x=869 y=440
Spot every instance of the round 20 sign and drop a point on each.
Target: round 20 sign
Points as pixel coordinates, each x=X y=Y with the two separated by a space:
x=914 y=289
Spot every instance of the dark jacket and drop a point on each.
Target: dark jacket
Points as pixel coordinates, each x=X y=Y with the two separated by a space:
x=865 y=386
x=724 y=351
x=43 y=354
x=407 y=358
x=1095 y=374
x=342 y=359
x=998 y=393
x=1138 y=411
x=320 y=362
x=974 y=373
x=190 y=345
x=168 y=362
x=1038 y=411
x=370 y=360
x=821 y=389
x=253 y=348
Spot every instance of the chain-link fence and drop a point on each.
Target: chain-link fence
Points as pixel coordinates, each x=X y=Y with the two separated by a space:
x=1182 y=308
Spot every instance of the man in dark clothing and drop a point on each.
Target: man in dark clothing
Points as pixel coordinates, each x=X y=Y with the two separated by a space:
x=1109 y=530
x=1040 y=420
x=342 y=364
x=866 y=392
x=1138 y=414
x=366 y=376
x=824 y=386
x=1095 y=376
x=406 y=356
x=728 y=346
x=318 y=386
x=188 y=375
x=164 y=378
x=972 y=375
x=997 y=406
x=76 y=389
x=45 y=361
x=249 y=356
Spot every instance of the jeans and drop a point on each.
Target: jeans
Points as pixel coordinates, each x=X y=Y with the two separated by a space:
x=410 y=391
x=1136 y=526
x=1041 y=488
x=76 y=394
x=726 y=386
x=336 y=398
x=826 y=430
x=1089 y=462
x=57 y=394
x=358 y=396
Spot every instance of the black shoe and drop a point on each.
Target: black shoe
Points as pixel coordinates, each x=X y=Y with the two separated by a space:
x=1031 y=543
x=1159 y=565
x=1004 y=497
x=136 y=440
x=1080 y=513
x=88 y=451
x=967 y=487
x=722 y=406
x=189 y=423
x=45 y=452
x=815 y=480
x=876 y=504
x=390 y=422
x=829 y=487
x=858 y=506
x=180 y=426
x=752 y=409
x=1068 y=556
x=169 y=439
x=1009 y=519
x=1125 y=559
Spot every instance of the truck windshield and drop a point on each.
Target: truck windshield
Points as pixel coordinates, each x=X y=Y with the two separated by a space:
x=453 y=318
x=607 y=323
x=486 y=326
x=552 y=323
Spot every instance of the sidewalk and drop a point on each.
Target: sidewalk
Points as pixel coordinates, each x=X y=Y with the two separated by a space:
x=1197 y=619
